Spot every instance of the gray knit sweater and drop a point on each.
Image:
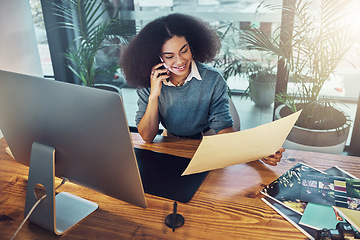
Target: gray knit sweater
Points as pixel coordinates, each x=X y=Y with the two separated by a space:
x=189 y=109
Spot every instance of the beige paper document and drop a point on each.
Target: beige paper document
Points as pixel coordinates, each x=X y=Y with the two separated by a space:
x=224 y=150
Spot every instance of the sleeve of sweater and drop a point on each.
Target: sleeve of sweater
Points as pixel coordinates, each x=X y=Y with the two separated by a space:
x=219 y=115
x=143 y=98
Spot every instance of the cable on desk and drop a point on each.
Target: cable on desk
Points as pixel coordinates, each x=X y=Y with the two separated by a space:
x=34 y=206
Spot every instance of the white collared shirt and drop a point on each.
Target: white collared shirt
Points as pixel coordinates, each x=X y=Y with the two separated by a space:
x=193 y=73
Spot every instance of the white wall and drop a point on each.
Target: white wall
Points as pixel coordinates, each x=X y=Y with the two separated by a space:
x=18 y=46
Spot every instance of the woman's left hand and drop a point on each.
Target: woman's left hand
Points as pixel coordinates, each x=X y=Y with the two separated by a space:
x=274 y=159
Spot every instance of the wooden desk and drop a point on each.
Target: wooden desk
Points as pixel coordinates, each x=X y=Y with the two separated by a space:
x=227 y=205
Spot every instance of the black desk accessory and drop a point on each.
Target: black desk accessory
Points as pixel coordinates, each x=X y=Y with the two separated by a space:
x=161 y=175
x=174 y=220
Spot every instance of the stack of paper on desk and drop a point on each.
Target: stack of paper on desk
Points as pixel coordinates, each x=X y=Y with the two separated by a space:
x=284 y=195
x=224 y=150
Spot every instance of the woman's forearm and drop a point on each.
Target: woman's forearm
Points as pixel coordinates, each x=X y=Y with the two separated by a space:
x=227 y=130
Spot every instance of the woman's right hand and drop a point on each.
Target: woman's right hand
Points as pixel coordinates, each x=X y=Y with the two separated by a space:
x=158 y=74
x=148 y=126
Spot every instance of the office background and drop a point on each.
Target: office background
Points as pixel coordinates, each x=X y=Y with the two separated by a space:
x=345 y=87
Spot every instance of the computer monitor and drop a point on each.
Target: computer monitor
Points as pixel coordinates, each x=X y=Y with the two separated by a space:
x=70 y=131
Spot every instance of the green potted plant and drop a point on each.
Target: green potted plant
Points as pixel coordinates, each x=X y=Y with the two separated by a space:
x=318 y=43
x=262 y=80
x=258 y=70
x=96 y=35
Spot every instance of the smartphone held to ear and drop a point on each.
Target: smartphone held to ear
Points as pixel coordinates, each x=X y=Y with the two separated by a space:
x=165 y=73
x=163 y=67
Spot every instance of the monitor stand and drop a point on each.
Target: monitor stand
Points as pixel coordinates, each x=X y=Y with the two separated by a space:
x=56 y=214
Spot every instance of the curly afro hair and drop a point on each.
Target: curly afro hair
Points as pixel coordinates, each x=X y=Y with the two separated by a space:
x=143 y=52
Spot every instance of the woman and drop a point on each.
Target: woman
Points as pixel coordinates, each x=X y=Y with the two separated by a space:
x=165 y=61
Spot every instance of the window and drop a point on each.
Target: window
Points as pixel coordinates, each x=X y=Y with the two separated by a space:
x=223 y=15
x=41 y=37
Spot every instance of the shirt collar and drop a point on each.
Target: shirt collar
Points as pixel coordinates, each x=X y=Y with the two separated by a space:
x=194 y=73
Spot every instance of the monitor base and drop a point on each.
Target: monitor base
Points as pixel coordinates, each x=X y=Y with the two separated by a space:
x=56 y=214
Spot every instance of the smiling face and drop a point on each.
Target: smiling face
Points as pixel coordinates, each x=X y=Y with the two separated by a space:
x=177 y=56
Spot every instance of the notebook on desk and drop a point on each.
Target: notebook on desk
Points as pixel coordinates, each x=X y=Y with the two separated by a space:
x=161 y=175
